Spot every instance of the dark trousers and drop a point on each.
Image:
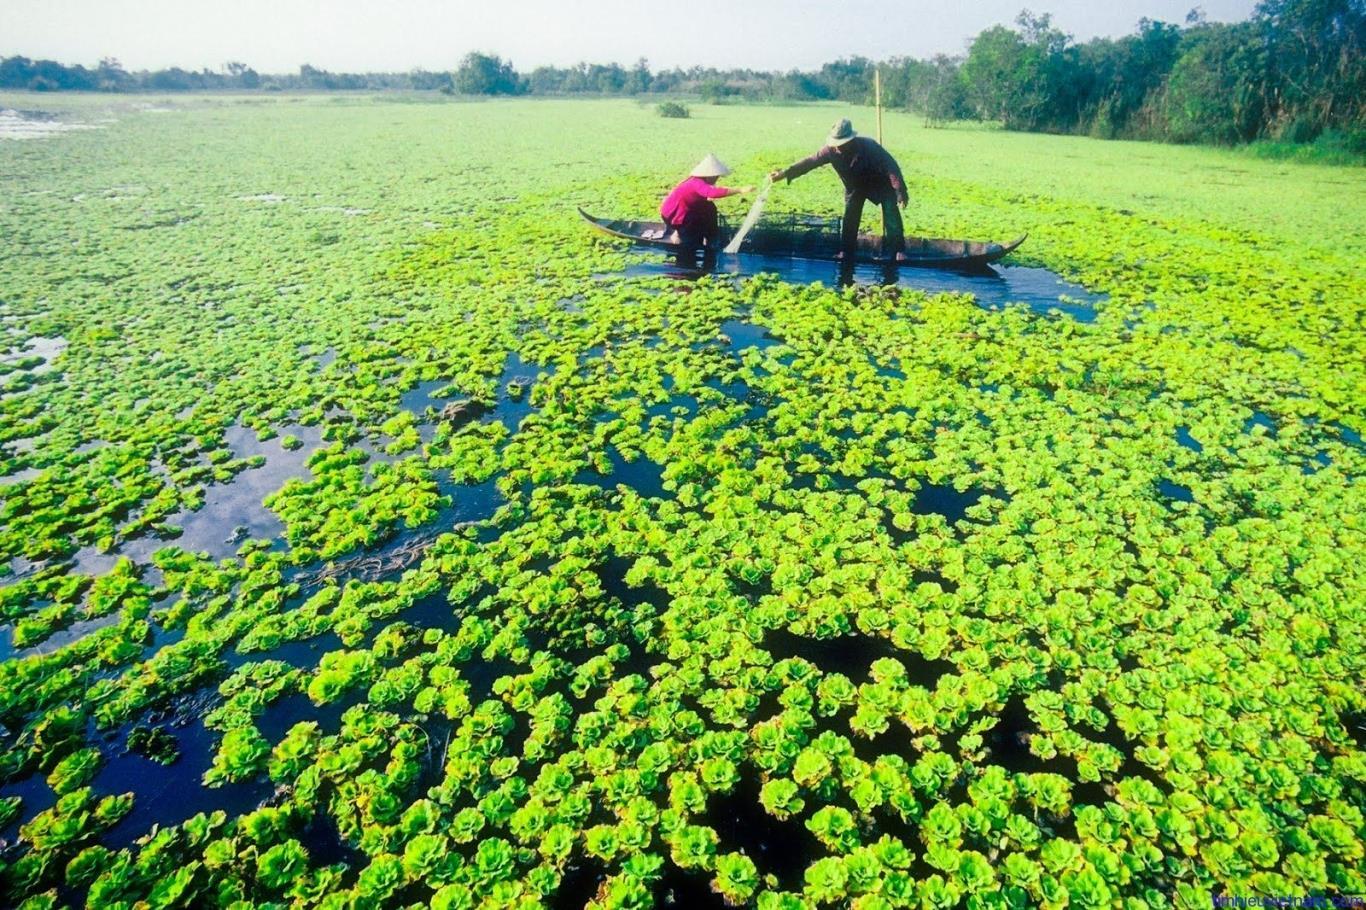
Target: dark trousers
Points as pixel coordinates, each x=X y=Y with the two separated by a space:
x=894 y=234
x=697 y=230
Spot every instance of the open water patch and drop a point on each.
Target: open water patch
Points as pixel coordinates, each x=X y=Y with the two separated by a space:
x=235 y=511
x=947 y=500
x=780 y=848
x=993 y=287
x=434 y=401
x=46 y=349
x=35 y=796
x=744 y=335
x=1187 y=441
x=1263 y=420
x=853 y=655
x=642 y=475
x=579 y=884
x=20 y=124
x=686 y=890
x=1350 y=436
x=170 y=794
x=514 y=391
x=1175 y=491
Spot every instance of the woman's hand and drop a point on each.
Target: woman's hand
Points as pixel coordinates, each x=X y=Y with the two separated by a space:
x=745 y=190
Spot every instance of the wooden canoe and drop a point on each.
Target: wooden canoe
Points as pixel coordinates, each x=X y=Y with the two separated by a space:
x=807 y=237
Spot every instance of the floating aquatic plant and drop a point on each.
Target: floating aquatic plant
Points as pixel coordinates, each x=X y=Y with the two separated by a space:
x=914 y=603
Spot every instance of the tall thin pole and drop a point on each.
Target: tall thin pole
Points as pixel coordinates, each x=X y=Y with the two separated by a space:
x=877 y=96
x=877 y=100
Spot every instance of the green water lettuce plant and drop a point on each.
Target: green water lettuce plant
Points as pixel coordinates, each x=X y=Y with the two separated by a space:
x=1003 y=607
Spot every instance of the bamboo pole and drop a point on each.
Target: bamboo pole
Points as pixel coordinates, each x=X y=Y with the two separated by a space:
x=877 y=101
x=877 y=96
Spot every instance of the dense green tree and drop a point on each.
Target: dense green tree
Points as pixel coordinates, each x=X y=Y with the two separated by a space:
x=1124 y=73
x=243 y=75
x=484 y=74
x=849 y=80
x=1217 y=89
x=638 y=79
x=1316 y=57
x=1295 y=71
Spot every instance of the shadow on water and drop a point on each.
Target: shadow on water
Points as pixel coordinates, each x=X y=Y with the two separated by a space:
x=993 y=287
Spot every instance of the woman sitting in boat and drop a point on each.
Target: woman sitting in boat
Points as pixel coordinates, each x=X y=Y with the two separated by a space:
x=689 y=210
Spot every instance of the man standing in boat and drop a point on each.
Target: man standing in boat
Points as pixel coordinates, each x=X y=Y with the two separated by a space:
x=689 y=210
x=869 y=173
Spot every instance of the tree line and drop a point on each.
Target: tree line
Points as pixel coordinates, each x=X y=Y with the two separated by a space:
x=1295 y=72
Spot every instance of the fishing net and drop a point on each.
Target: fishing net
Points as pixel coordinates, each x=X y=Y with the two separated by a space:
x=751 y=219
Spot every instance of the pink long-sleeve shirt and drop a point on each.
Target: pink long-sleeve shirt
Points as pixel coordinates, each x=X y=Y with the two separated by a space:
x=688 y=196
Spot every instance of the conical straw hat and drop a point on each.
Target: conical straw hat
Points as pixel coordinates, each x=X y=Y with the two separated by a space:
x=710 y=166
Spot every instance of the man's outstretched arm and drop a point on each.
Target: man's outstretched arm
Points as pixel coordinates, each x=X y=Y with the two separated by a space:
x=794 y=171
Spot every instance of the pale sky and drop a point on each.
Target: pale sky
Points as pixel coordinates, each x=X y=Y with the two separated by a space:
x=275 y=36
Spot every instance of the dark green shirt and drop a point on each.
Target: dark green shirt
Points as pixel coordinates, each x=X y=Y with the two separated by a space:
x=865 y=167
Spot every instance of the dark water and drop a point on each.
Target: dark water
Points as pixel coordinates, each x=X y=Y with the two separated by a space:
x=852 y=655
x=1186 y=440
x=642 y=475
x=993 y=288
x=944 y=499
x=423 y=396
x=168 y=795
x=1260 y=419
x=744 y=335
x=231 y=514
x=1175 y=491
x=782 y=848
x=171 y=794
x=509 y=410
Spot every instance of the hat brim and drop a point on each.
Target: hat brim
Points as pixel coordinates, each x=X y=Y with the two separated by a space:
x=709 y=172
x=835 y=141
